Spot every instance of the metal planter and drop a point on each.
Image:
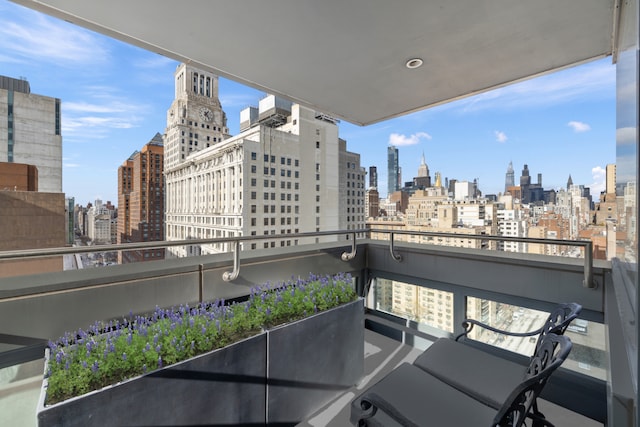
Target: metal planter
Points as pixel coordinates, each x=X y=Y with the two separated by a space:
x=312 y=361
x=225 y=386
x=281 y=376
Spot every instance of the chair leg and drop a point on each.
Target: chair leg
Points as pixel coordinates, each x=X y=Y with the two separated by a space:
x=537 y=418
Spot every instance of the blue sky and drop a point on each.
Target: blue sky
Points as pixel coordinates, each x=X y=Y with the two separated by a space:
x=115 y=98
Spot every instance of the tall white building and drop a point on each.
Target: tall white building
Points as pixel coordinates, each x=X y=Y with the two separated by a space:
x=286 y=172
x=30 y=132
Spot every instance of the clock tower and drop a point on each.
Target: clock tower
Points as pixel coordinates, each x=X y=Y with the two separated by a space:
x=195 y=119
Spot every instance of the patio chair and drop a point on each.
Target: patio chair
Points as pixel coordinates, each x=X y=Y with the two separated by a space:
x=409 y=396
x=487 y=377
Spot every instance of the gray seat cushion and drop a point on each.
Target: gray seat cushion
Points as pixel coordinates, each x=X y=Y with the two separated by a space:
x=485 y=377
x=423 y=400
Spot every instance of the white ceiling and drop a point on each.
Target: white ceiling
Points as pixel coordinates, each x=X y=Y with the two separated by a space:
x=347 y=57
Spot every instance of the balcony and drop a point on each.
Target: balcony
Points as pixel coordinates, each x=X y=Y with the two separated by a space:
x=590 y=389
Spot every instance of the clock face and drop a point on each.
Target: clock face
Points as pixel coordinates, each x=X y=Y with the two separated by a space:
x=205 y=114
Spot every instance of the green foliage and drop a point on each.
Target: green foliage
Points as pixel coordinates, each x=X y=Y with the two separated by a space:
x=107 y=353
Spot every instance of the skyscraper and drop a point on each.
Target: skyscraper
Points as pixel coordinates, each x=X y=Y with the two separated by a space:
x=373 y=177
x=509 y=180
x=393 y=170
x=141 y=201
x=525 y=182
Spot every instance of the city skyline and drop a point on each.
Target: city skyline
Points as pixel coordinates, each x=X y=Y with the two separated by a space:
x=115 y=98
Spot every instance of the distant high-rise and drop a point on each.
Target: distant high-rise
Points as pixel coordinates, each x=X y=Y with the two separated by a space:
x=30 y=132
x=423 y=180
x=141 y=201
x=569 y=182
x=610 y=187
x=525 y=182
x=423 y=169
x=509 y=180
x=373 y=177
x=393 y=170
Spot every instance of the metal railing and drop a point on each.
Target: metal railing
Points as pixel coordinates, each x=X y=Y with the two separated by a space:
x=588 y=281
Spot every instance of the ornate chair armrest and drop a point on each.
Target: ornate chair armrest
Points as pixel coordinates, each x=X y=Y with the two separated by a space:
x=468 y=324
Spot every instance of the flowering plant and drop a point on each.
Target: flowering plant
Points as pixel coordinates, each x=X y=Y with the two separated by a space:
x=110 y=352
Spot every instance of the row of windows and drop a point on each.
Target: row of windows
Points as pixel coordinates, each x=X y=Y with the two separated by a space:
x=272 y=159
x=272 y=172
x=272 y=196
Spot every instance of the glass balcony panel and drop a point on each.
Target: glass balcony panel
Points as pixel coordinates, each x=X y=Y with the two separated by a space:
x=588 y=355
x=417 y=303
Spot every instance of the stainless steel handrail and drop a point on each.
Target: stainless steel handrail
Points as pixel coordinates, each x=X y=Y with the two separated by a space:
x=33 y=253
x=588 y=281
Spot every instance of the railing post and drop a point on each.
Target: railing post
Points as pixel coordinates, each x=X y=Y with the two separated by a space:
x=348 y=256
x=233 y=275
x=588 y=266
x=200 y=282
x=394 y=255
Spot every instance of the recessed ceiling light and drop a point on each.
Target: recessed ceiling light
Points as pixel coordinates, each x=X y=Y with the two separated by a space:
x=414 y=63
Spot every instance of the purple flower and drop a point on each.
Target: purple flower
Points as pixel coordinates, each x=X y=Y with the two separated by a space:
x=159 y=361
x=94 y=367
x=124 y=356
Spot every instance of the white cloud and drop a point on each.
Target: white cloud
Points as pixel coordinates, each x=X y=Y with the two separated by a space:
x=401 y=140
x=579 y=126
x=500 y=136
x=599 y=176
x=101 y=110
x=49 y=40
x=71 y=165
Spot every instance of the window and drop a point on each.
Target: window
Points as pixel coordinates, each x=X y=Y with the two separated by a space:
x=253 y=155
x=253 y=195
x=317 y=144
x=266 y=157
x=253 y=168
x=253 y=208
x=253 y=182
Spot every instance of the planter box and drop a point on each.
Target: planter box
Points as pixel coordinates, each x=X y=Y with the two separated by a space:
x=225 y=386
x=281 y=376
x=312 y=361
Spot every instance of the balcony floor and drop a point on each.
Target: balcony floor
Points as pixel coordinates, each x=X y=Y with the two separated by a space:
x=382 y=355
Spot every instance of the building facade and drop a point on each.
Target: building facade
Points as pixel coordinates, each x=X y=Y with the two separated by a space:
x=286 y=172
x=141 y=201
x=30 y=132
